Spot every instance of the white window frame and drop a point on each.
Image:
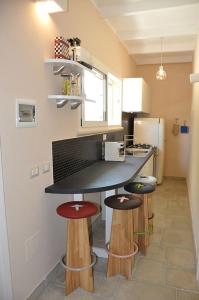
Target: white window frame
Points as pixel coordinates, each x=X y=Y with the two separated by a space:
x=112 y=80
x=94 y=124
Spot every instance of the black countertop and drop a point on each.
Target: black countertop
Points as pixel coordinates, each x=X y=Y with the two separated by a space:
x=101 y=176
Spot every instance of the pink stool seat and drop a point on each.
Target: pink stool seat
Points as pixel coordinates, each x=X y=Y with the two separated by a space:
x=77 y=209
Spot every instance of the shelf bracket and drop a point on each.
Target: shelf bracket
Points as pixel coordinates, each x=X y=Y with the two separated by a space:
x=61 y=103
x=59 y=70
x=75 y=104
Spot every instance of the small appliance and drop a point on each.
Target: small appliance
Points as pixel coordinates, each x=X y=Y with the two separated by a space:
x=141 y=146
x=114 y=151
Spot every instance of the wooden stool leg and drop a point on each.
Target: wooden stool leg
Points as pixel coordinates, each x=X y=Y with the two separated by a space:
x=136 y=224
x=143 y=239
x=121 y=243
x=78 y=255
x=150 y=212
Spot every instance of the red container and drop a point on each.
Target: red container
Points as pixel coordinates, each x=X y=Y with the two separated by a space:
x=61 y=48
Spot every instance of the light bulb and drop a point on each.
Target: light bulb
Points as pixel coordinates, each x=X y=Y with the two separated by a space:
x=161 y=74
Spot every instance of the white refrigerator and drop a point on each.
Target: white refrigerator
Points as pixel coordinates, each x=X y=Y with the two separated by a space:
x=152 y=131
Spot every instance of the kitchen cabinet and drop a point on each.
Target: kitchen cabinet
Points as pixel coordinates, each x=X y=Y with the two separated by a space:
x=136 y=95
x=60 y=66
x=194 y=77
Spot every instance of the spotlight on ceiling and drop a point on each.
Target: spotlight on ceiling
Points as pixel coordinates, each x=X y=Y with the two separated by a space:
x=53 y=6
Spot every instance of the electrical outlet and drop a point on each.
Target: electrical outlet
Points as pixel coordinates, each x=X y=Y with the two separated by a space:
x=45 y=167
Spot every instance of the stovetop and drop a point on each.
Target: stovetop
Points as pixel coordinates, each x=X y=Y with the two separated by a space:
x=140 y=146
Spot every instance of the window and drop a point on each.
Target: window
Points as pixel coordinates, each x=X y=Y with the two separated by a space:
x=94 y=108
x=114 y=100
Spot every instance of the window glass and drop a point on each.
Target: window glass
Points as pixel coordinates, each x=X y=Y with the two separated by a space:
x=114 y=100
x=94 y=109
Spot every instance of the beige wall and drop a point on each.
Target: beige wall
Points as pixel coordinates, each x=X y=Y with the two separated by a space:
x=193 y=178
x=171 y=99
x=26 y=39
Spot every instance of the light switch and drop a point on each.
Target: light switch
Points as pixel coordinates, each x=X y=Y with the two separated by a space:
x=34 y=172
x=46 y=167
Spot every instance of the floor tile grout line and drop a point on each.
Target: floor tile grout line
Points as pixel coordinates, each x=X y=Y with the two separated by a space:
x=176 y=294
x=147 y=283
x=167 y=270
x=166 y=262
x=188 y=291
x=184 y=289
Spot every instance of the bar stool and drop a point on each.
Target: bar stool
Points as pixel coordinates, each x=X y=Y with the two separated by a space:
x=141 y=190
x=153 y=181
x=122 y=247
x=78 y=259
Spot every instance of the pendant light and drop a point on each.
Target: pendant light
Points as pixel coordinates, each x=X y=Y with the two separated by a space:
x=161 y=74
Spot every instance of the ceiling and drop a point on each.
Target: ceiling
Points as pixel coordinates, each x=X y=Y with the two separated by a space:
x=141 y=25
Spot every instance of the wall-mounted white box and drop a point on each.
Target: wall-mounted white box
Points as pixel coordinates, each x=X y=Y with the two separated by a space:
x=25 y=113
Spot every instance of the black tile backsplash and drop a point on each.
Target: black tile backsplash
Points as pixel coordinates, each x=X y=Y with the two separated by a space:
x=115 y=136
x=73 y=155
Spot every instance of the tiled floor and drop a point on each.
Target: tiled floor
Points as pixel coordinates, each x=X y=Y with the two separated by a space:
x=168 y=270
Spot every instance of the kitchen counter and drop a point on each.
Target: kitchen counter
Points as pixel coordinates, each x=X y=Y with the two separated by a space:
x=101 y=176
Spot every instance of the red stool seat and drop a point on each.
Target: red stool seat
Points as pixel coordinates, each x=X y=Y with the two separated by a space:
x=77 y=209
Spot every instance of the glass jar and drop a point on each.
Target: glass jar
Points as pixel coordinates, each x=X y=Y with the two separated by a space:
x=66 y=90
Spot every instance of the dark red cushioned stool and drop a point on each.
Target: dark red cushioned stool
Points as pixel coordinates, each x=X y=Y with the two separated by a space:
x=122 y=248
x=141 y=221
x=78 y=264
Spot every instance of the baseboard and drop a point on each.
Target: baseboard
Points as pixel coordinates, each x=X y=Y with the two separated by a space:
x=36 y=293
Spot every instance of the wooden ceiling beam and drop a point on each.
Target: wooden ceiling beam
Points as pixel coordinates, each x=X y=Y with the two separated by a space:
x=128 y=9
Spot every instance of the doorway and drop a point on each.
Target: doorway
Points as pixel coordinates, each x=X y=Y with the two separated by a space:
x=5 y=274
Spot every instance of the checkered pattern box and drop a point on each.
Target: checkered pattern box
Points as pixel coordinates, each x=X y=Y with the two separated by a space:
x=61 y=49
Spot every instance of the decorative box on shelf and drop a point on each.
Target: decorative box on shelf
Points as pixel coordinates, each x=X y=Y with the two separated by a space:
x=61 y=48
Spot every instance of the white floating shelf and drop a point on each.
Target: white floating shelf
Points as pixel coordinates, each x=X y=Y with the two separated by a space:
x=194 y=77
x=64 y=97
x=61 y=100
x=72 y=66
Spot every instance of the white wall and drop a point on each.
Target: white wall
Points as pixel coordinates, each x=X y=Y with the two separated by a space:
x=26 y=39
x=193 y=178
x=5 y=275
x=171 y=99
